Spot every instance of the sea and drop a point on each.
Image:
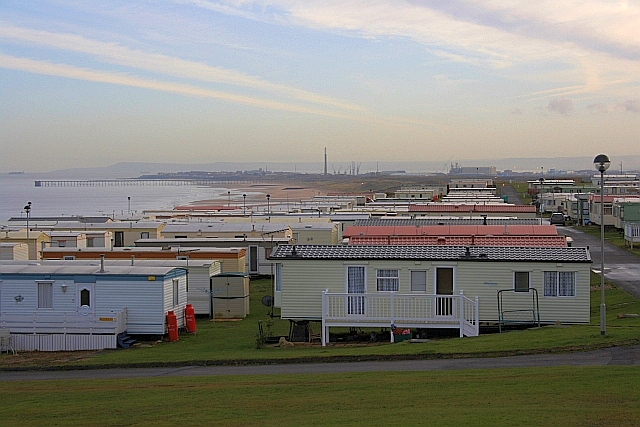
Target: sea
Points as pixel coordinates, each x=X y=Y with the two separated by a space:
x=16 y=190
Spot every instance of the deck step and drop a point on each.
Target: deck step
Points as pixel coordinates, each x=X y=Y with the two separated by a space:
x=125 y=340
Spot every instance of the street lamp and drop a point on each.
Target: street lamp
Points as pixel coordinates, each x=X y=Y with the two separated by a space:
x=228 y=198
x=129 y=205
x=602 y=163
x=269 y=207
x=27 y=209
x=244 y=205
x=540 y=198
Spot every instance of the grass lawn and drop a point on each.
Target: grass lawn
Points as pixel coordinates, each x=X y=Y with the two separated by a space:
x=567 y=396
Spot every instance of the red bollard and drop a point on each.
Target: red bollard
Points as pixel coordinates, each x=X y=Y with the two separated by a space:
x=190 y=318
x=172 y=326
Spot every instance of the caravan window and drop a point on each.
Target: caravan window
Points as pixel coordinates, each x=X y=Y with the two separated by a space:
x=387 y=280
x=175 y=292
x=521 y=281
x=45 y=294
x=559 y=284
x=419 y=281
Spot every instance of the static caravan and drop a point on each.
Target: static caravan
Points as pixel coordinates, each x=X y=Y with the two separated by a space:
x=14 y=251
x=199 y=274
x=82 y=307
x=231 y=259
x=257 y=249
x=431 y=286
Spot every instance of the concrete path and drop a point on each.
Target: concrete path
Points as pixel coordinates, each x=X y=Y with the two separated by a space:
x=510 y=192
x=620 y=267
x=605 y=357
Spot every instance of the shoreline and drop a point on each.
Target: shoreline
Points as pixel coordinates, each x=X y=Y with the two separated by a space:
x=256 y=194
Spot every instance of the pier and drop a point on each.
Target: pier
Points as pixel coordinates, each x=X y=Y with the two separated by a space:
x=137 y=182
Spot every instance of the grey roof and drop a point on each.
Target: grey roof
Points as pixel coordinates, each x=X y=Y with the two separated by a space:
x=133 y=250
x=177 y=263
x=445 y=221
x=82 y=219
x=313 y=226
x=225 y=227
x=70 y=269
x=90 y=226
x=209 y=241
x=449 y=253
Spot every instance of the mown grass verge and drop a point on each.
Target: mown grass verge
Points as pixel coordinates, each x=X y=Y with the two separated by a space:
x=567 y=396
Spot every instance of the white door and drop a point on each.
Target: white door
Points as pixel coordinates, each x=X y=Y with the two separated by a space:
x=85 y=299
x=356 y=284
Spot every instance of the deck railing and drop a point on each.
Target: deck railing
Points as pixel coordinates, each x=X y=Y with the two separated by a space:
x=400 y=310
x=43 y=322
x=632 y=232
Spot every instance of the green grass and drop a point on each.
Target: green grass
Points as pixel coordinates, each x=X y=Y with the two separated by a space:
x=567 y=396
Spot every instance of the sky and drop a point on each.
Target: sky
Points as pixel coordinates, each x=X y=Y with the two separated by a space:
x=86 y=83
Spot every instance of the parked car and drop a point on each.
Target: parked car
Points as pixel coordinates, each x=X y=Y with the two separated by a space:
x=557 y=219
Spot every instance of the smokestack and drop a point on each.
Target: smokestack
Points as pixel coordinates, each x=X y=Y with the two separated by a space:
x=325 y=161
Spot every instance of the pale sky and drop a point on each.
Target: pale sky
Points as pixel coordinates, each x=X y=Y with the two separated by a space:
x=86 y=83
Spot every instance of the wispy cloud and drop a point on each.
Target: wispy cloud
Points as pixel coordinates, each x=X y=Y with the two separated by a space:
x=561 y=106
x=162 y=64
x=71 y=72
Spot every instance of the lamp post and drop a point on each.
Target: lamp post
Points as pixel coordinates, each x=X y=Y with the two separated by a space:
x=244 y=205
x=602 y=163
x=129 y=205
x=27 y=209
x=269 y=207
x=228 y=198
x=540 y=199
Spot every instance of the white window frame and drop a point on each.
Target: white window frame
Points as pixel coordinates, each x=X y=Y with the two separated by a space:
x=555 y=289
x=426 y=279
x=387 y=278
x=40 y=286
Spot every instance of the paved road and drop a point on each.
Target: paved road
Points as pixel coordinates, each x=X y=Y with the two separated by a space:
x=620 y=266
x=508 y=190
x=604 y=357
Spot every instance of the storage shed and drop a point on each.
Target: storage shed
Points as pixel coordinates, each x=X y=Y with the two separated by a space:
x=230 y=293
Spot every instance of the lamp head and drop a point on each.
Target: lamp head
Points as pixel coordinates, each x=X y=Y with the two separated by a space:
x=601 y=163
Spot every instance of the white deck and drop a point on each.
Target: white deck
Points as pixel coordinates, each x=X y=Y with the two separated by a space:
x=64 y=331
x=632 y=233
x=399 y=310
